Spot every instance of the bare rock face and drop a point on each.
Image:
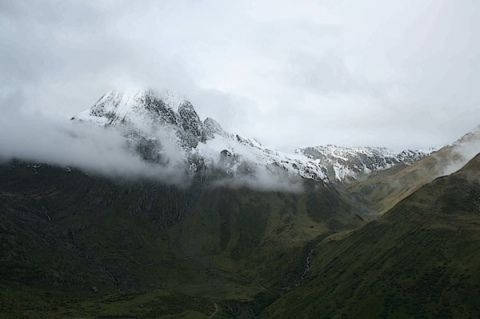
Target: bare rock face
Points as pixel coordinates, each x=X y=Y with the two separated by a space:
x=192 y=126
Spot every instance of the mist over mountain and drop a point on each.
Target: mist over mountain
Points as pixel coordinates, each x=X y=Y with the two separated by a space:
x=239 y=159
x=98 y=150
x=146 y=134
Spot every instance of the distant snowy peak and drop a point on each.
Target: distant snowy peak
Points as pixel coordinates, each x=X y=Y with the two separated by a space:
x=349 y=163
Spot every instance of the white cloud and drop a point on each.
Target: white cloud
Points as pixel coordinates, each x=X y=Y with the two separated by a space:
x=397 y=73
x=80 y=145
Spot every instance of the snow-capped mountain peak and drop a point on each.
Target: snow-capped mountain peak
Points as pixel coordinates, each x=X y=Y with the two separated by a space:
x=151 y=122
x=143 y=111
x=130 y=106
x=144 y=116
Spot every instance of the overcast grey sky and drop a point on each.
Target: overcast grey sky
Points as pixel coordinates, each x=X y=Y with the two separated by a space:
x=291 y=73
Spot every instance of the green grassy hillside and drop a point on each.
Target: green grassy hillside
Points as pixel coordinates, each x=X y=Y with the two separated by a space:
x=78 y=245
x=420 y=260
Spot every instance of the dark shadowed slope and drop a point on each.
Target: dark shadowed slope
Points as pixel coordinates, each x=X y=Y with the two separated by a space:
x=421 y=260
x=79 y=245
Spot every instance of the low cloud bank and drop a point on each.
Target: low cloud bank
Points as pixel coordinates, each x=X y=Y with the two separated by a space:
x=263 y=179
x=463 y=152
x=81 y=145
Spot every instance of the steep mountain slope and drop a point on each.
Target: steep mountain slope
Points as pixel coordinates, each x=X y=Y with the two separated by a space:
x=383 y=189
x=420 y=260
x=351 y=163
x=78 y=245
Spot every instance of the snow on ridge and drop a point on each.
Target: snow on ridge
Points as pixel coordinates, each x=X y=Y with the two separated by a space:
x=349 y=163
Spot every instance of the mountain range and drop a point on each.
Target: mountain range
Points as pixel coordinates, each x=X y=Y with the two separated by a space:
x=324 y=232
x=152 y=121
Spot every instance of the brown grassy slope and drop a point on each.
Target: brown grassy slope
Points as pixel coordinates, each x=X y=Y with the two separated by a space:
x=383 y=189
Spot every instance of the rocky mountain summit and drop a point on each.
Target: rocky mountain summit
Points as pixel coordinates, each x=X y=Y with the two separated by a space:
x=143 y=112
x=157 y=126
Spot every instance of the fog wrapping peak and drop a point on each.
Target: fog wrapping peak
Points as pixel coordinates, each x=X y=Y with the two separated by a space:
x=142 y=134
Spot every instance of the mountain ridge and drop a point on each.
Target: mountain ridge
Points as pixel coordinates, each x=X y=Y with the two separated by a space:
x=350 y=163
